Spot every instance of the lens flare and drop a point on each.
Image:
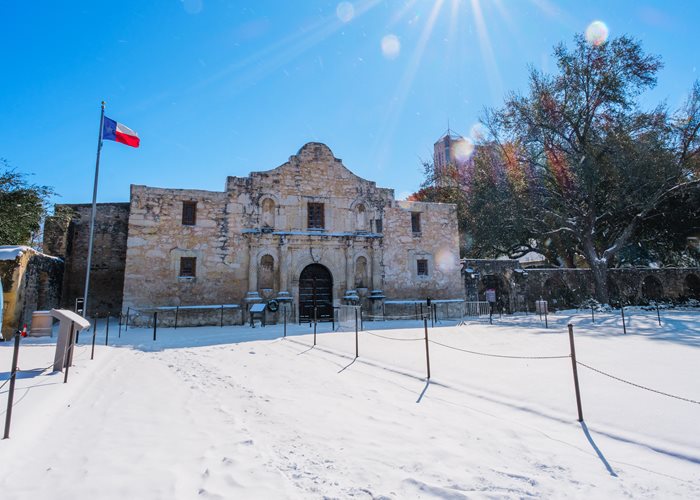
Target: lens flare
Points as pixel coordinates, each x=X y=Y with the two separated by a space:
x=391 y=46
x=345 y=11
x=477 y=132
x=446 y=261
x=597 y=33
x=463 y=150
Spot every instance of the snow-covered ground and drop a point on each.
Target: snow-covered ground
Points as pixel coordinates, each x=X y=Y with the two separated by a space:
x=236 y=412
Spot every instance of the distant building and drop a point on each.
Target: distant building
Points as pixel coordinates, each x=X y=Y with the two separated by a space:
x=451 y=149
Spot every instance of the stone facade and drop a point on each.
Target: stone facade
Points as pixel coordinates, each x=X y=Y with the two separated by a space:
x=562 y=288
x=30 y=281
x=256 y=241
x=67 y=237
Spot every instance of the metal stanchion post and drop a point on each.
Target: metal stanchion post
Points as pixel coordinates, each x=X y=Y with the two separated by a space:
x=427 y=350
x=573 y=364
x=357 y=346
x=11 y=391
x=155 y=324
x=622 y=312
x=69 y=353
x=177 y=312
x=107 y=331
x=315 y=319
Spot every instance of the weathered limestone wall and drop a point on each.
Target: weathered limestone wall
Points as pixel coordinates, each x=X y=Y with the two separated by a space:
x=69 y=239
x=437 y=242
x=30 y=282
x=252 y=241
x=158 y=239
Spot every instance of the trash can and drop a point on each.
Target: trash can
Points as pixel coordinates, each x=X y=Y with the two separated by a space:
x=42 y=324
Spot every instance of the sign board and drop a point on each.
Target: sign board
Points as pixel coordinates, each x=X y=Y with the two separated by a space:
x=541 y=306
x=257 y=308
x=491 y=295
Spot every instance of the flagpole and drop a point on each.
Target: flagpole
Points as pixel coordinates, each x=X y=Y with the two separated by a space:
x=92 y=216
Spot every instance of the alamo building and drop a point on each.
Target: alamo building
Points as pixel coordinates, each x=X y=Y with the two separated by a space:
x=308 y=234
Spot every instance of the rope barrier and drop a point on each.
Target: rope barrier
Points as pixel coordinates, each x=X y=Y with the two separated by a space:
x=637 y=385
x=497 y=355
x=391 y=338
x=407 y=316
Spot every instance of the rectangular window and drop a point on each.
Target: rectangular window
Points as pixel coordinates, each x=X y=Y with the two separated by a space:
x=379 y=226
x=422 y=267
x=315 y=216
x=189 y=213
x=415 y=222
x=188 y=267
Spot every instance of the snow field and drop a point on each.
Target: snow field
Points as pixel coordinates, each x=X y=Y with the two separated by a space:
x=240 y=413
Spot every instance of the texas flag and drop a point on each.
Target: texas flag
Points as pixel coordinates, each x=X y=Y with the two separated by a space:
x=113 y=131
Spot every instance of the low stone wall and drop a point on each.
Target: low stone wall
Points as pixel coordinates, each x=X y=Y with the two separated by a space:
x=518 y=289
x=186 y=317
x=414 y=309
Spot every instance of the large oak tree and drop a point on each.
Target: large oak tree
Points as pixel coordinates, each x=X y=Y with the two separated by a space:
x=584 y=167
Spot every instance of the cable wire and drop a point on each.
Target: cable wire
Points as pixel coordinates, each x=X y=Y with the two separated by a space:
x=638 y=385
x=497 y=355
x=391 y=338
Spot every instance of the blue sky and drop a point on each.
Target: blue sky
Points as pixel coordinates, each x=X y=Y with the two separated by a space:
x=226 y=87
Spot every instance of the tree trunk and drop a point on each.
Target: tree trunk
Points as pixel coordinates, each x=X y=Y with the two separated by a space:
x=599 y=269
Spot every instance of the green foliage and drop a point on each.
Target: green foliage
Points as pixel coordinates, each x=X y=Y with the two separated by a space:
x=22 y=206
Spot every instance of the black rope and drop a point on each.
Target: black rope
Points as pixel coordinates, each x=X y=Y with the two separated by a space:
x=390 y=338
x=637 y=385
x=497 y=355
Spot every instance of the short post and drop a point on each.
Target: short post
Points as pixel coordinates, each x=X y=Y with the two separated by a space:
x=126 y=329
x=285 y=320
x=658 y=314
x=119 y=335
x=92 y=351
x=592 y=315
x=427 y=350
x=415 y=309
x=573 y=364
x=221 y=325
x=155 y=324
x=362 y=325
x=177 y=312
x=546 y=325
x=421 y=309
x=622 y=311
x=431 y=311
x=69 y=352
x=490 y=313
x=357 y=346
x=315 y=311
x=11 y=392
x=107 y=331
x=94 y=328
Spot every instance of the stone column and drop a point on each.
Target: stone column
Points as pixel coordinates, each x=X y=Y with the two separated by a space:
x=283 y=265
x=350 y=293
x=252 y=295
x=349 y=274
x=376 y=266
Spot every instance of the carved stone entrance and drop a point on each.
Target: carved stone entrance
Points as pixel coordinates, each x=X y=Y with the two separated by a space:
x=315 y=290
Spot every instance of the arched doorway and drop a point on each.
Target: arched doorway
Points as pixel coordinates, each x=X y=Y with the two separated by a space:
x=315 y=290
